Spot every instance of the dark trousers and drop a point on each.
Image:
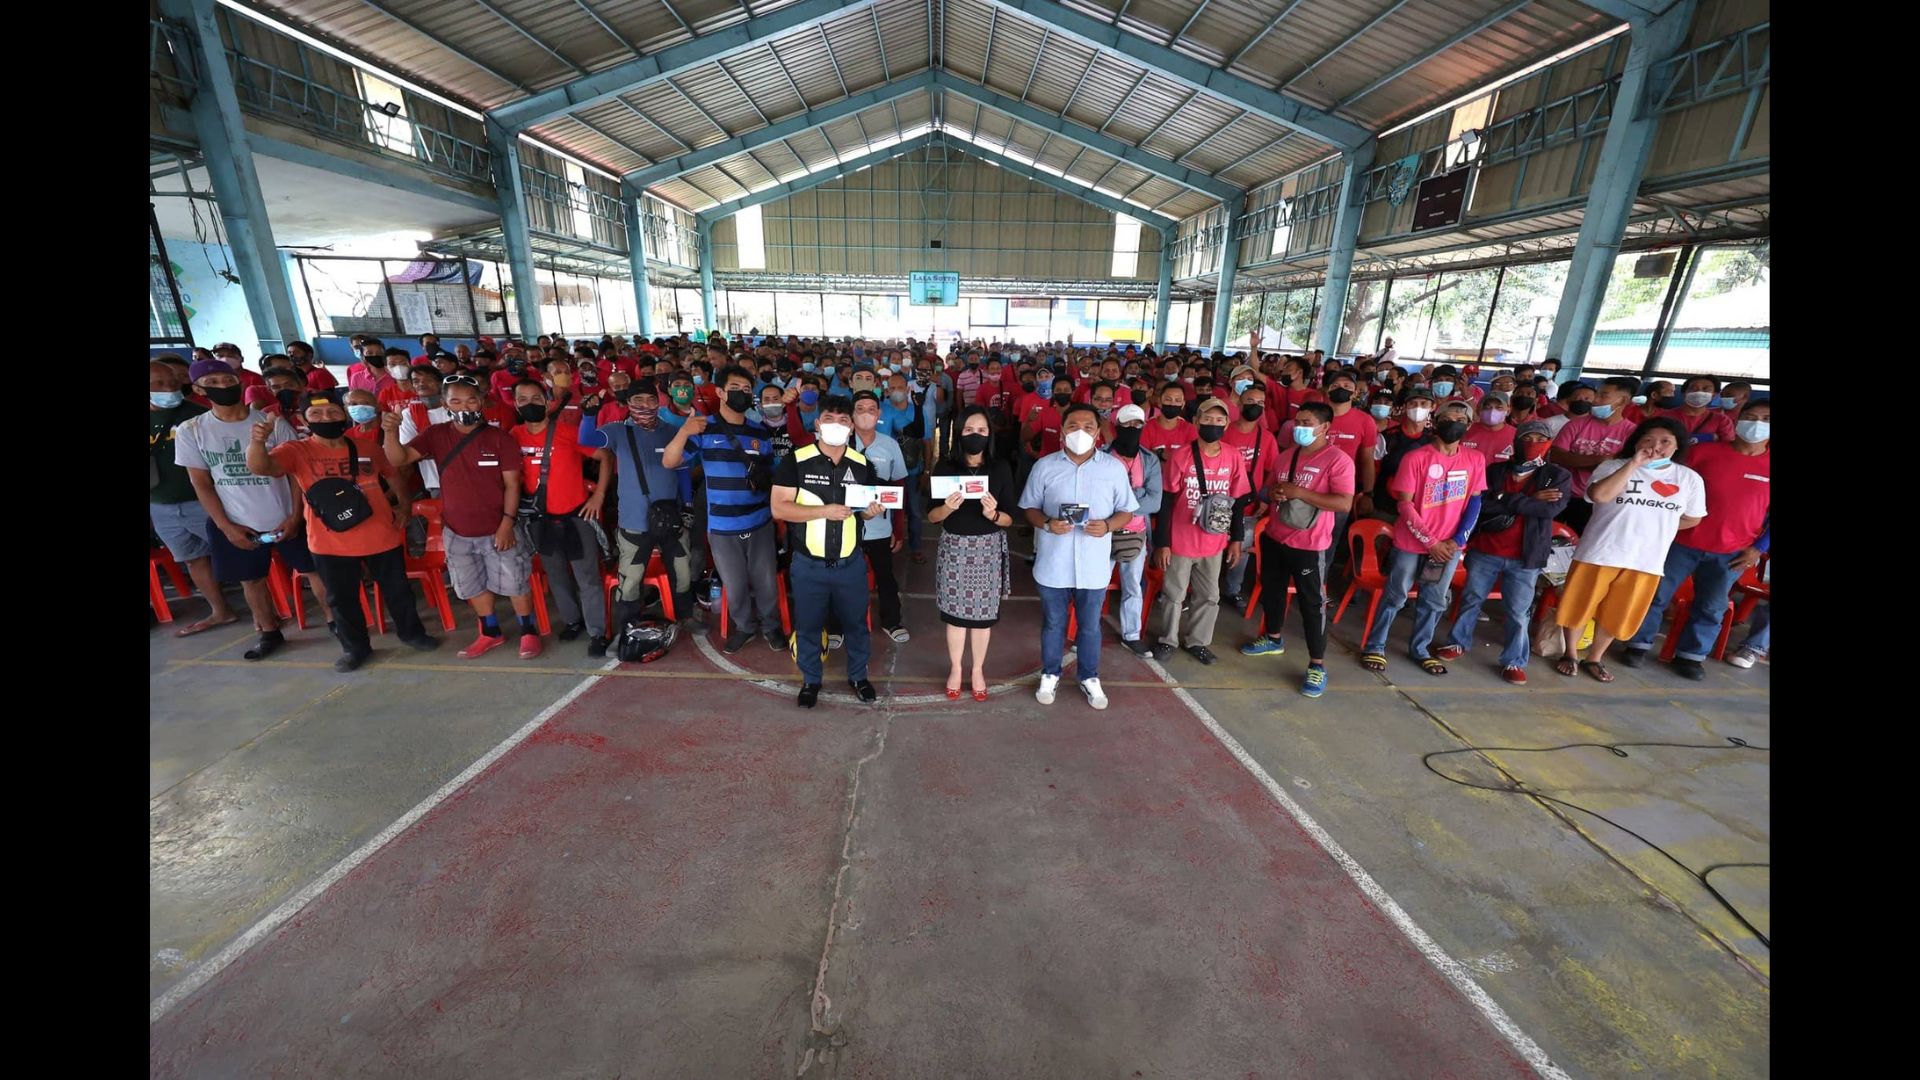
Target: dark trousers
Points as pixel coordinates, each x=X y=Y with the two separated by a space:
x=1307 y=570
x=388 y=569
x=1577 y=514
x=880 y=558
x=819 y=592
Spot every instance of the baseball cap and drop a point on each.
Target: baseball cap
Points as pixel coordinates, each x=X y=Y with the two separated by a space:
x=1126 y=413
x=208 y=367
x=1496 y=398
x=1412 y=392
x=1534 y=427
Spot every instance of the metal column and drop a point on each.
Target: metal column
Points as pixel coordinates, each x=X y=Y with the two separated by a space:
x=1229 y=264
x=513 y=226
x=706 y=275
x=1163 y=294
x=1346 y=236
x=1616 y=182
x=222 y=133
x=299 y=327
x=630 y=205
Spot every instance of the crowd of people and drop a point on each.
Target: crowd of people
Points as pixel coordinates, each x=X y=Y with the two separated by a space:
x=757 y=465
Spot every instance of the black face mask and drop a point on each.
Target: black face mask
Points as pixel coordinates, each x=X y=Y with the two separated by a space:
x=223 y=395
x=517 y=367
x=1450 y=431
x=1212 y=433
x=377 y=360
x=286 y=398
x=975 y=443
x=1172 y=412
x=470 y=418
x=1027 y=385
x=327 y=429
x=1063 y=399
x=1579 y=408
x=1286 y=380
x=1126 y=441
x=1522 y=404
x=1251 y=412
x=1340 y=396
x=1138 y=397
x=739 y=400
x=532 y=413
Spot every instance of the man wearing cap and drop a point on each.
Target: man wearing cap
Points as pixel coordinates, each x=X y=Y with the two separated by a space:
x=1190 y=554
x=1412 y=432
x=1510 y=545
x=1143 y=473
x=177 y=516
x=1492 y=433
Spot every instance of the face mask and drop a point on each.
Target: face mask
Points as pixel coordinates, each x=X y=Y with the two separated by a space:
x=1138 y=397
x=1579 y=408
x=1241 y=386
x=1383 y=376
x=469 y=418
x=974 y=444
x=286 y=398
x=773 y=414
x=681 y=394
x=699 y=380
x=1699 y=399
x=739 y=400
x=1078 y=442
x=1251 y=413
x=1602 y=412
x=362 y=414
x=398 y=374
x=532 y=413
x=1127 y=441
x=431 y=401
x=1172 y=412
x=327 y=429
x=835 y=434
x=808 y=367
x=1303 y=436
x=1286 y=379
x=1449 y=431
x=1493 y=417
x=1522 y=404
x=1105 y=414
x=1640 y=399
x=1212 y=433
x=898 y=397
x=1380 y=412
x=1525 y=466
x=168 y=399
x=517 y=367
x=1419 y=414
x=1659 y=463
x=222 y=395
x=1443 y=388
x=809 y=397
x=1340 y=396
x=645 y=415
x=1029 y=385
x=827 y=371
x=1729 y=404
x=1753 y=431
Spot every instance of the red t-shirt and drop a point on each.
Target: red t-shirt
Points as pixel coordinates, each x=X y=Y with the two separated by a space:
x=1441 y=485
x=1046 y=424
x=319 y=378
x=1494 y=443
x=1506 y=542
x=502 y=384
x=611 y=413
x=1226 y=474
x=307 y=462
x=1715 y=422
x=1290 y=399
x=396 y=398
x=1352 y=432
x=1156 y=438
x=568 y=479
x=1327 y=472
x=1738 y=497
x=1257 y=447
x=472 y=485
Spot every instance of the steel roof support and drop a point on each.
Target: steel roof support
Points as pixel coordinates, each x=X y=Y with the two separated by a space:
x=1262 y=35
x=705 y=231
x=1482 y=24
x=529 y=35
x=1229 y=265
x=1163 y=294
x=1160 y=223
x=511 y=187
x=1272 y=104
x=1346 y=235
x=1350 y=39
x=221 y=129
x=635 y=216
x=1616 y=181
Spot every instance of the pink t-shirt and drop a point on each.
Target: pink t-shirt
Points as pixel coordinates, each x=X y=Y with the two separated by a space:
x=1256 y=454
x=1353 y=431
x=1585 y=435
x=1441 y=485
x=1226 y=474
x=1494 y=443
x=1328 y=472
x=1154 y=437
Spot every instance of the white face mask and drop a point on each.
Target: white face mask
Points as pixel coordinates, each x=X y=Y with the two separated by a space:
x=1077 y=442
x=1417 y=414
x=865 y=422
x=835 y=434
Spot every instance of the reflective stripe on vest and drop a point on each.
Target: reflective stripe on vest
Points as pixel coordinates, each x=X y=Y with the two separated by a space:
x=814 y=536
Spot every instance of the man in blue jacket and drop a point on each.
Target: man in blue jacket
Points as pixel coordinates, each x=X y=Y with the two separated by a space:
x=1510 y=544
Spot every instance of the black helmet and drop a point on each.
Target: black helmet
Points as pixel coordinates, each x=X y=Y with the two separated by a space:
x=645 y=642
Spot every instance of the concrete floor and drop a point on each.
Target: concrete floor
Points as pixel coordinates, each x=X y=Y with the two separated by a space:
x=680 y=874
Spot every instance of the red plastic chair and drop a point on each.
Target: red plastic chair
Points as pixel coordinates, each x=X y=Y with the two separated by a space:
x=279 y=586
x=1751 y=594
x=376 y=615
x=538 y=584
x=656 y=576
x=430 y=570
x=1363 y=565
x=1682 y=609
x=1253 y=567
x=786 y=619
x=160 y=559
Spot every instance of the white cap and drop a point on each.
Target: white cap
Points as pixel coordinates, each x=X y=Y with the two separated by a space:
x=1130 y=412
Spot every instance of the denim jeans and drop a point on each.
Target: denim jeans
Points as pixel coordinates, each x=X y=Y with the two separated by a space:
x=1403 y=569
x=1516 y=584
x=1713 y=579
x=1053 y=629
x=1760 y=630
x=1132 y=595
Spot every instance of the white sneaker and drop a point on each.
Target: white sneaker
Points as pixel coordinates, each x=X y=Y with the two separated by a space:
x=1744 y=658
x=899 y=634
x=1045 y=694
x=834 y=641
x=1091 y=688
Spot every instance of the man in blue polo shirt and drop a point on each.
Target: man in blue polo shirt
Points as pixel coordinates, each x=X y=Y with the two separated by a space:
x=908 y=417
x=642 y=434
x=737 y=457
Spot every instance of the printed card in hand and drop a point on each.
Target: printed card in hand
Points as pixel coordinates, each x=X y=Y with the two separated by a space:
x=969 y=487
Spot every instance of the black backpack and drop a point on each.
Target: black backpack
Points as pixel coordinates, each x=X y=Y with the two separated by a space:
x=340 y=504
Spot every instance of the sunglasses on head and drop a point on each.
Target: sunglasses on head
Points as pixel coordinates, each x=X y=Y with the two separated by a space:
x=461 y=380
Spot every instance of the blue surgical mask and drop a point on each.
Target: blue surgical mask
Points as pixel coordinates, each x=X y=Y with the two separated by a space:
x=808 y=367
x=362 y=413
x=1241 y=386
x=699 y=380
x=1381 y=412
x=1753 y=431
x=1043 y=387
x=827 y=371
x=1305 y=436
x=1443 y=388
x=808 y=397
x=1602 y=412
x=166 y=399
x=1659 y=463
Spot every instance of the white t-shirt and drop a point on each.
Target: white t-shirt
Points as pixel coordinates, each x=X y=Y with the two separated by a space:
x=1636 y=528
x=429 y=472
x=1556 y=423
x=220 y=447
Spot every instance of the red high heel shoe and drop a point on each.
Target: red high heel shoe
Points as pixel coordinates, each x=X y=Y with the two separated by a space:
x=953 y=693
x=979 y=694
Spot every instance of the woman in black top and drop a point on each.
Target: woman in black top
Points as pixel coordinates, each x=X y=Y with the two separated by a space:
x=971 y=569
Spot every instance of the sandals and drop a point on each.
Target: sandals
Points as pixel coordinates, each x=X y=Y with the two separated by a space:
x=1432 y=666
x=1596 y=669
x=1567 y=666
x=1373 y=661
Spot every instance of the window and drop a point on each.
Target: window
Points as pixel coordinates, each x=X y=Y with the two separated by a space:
x=751 y=239
x=1282 y=228
x=1126 y=246
x=578 y=201
x=387 y=123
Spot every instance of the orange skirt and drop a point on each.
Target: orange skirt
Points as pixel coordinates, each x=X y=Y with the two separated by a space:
x=1616 y=598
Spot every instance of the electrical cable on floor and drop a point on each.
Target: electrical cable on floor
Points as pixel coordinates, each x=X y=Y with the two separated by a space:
x=1520 y=787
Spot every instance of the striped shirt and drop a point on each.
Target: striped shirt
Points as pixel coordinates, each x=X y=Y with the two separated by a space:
x=725 y=450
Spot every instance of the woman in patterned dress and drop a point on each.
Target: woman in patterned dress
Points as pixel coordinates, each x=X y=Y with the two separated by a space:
x=972 y=568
